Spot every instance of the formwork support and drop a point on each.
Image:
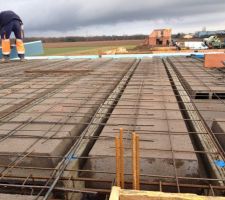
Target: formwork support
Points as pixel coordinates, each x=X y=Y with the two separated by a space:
x=135 y=161
x=117 y=142
x=121 y=159
x=138 y=161
x=120 y=194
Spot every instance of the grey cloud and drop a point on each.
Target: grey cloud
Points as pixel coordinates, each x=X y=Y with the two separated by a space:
x=69 y=15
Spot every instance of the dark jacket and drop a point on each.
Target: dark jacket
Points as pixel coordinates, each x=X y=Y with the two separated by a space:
x=8 y=16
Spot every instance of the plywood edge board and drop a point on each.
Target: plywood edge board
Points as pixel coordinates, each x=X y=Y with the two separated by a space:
x=119 y=194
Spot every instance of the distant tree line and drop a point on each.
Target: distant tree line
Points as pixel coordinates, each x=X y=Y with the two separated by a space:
x=85 y=39
x=95 y=38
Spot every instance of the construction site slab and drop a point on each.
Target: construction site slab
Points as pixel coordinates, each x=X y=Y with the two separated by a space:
x=43 y=114
x=18 y=197
x=201 y=83
x=148 y=107
x=210 y=109
x=218 y=128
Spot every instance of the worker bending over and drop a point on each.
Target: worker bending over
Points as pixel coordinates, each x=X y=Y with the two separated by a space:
x=11 y=22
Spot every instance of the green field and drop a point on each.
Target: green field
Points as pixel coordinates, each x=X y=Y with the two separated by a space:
x=87 y=47
x=79 y=50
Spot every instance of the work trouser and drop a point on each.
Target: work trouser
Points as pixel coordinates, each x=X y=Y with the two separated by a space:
x=13 y=26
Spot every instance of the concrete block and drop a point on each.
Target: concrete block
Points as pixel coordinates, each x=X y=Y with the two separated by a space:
x=218 y=127
x=210 y=110
x=199 y=82
x=214 y=60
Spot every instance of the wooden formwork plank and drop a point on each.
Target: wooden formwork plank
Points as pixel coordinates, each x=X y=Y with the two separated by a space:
x=115 y=194
x=119 y=194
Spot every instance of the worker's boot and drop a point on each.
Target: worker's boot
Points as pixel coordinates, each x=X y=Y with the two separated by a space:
x=21 y=56
x=5 y=58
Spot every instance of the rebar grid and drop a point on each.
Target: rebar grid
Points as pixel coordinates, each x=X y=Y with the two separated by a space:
x=64 y=115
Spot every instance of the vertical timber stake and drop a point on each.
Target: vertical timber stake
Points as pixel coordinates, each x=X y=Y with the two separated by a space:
x=121 y=159
x=135 y=161
x=138 y=161
x=117 y=142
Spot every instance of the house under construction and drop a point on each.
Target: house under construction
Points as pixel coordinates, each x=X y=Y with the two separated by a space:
x=159 y=37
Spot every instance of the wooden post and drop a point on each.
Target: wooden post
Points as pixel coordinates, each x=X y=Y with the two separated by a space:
x=117 y=143
x=138 y=161
x=121 y=159
x=134 y=161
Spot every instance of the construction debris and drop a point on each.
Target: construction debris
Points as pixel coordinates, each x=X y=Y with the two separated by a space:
x=119 y=50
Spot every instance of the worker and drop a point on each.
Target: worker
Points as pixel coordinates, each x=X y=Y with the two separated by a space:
x=177 y=45
x=11 y=22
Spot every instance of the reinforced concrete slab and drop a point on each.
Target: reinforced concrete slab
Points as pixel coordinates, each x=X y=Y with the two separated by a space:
x=18 y=197
x=46 y=113
x=210 y=109
x=148 y=107
x=218 y=128
x=201 y=83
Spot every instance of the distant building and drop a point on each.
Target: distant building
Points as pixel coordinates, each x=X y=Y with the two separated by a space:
x=159 y=37
x=204 y=29
x=202 y=34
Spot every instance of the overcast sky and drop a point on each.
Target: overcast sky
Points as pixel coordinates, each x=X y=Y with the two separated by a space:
x=115 y=17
